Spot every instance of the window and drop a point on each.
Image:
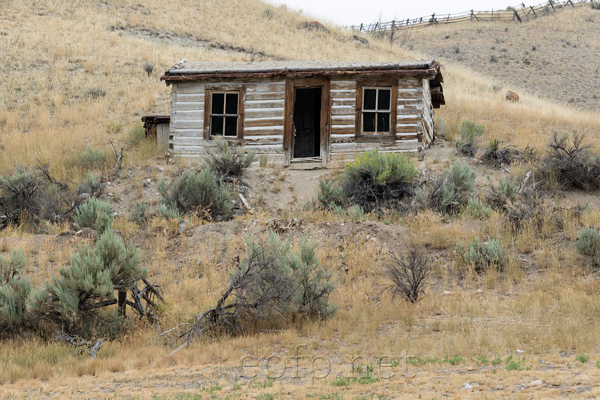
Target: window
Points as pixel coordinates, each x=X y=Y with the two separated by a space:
x=376 y=110
x=376 y=102
x=223 y=114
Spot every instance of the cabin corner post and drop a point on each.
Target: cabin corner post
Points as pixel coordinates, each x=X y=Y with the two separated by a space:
x=288 y=122
x=325 y=122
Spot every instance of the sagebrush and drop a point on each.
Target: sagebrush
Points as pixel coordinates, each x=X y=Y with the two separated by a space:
x=198 y=193
x=375 y=180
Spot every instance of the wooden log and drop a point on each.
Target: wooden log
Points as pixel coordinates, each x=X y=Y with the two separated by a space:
x=187 y=115
x=187 y=106
x=258 y=122
x=278 y=103
x=261 y=96
x=187 y=124
x=264 y=113
x=342 y=85
x=261 y=131
x=343 y=95
x=187 y=132
x=343 y=102
x=185 y=98
x=342 y=120
x=342 y=110
x=342 y=129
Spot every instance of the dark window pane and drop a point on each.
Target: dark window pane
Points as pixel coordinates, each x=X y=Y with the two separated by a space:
x=218 y=101
x=231 y=106
x=370 y=97
x=383 y=122
x=231 y=126
x=369 y=122
x=383 y=101
x=216 y=125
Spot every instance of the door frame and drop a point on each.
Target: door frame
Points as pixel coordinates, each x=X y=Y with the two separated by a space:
x=291 y=84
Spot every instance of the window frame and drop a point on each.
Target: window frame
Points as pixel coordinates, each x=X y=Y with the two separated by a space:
x=392 y=85
x=208 y=99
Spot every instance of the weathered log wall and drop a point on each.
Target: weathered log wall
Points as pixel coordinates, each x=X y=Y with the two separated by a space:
x=264 y=118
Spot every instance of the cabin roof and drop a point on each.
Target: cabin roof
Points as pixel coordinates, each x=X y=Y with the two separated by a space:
x=185 y=70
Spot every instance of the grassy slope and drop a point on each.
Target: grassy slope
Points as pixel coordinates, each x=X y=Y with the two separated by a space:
x=45 y=113
x=551 y=57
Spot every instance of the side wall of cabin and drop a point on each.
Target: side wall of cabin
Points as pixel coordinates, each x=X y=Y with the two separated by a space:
x=263 y=126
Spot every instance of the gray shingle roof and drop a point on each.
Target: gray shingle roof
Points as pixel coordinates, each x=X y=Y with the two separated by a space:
x=185 y=68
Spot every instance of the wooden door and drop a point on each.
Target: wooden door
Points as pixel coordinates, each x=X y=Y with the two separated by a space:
x=307 y=122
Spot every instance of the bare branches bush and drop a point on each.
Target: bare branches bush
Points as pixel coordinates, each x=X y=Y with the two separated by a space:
x=408 y=274
x=228 y=162
x=570 y=163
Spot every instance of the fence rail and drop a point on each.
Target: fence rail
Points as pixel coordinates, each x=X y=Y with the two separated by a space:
x=520 y=14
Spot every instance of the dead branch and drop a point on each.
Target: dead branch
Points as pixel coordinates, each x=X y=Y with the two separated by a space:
x=118 y=156
x=91 y=348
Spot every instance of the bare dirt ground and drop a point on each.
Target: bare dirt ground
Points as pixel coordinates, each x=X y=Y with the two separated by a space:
x=314 y=375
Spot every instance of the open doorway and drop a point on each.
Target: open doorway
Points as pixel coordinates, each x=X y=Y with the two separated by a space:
x=307 y=122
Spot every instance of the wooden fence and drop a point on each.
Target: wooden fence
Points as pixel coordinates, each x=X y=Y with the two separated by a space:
x=518 y=14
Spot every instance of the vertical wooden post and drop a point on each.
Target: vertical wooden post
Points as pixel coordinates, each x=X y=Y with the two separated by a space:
x=392 y=32
x=533 y=11
x=121 y=298
x=516 y=15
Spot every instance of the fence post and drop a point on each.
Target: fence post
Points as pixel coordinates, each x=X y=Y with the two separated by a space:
x=492 y=20
x=392 y=32
x=516 y=15
x=524 y=13
x=448 y=19
x=534 y=10
x=471 y=19
x=551 y=5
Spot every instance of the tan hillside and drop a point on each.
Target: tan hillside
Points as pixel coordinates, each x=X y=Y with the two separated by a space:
x=552 y=57
x=74 y=77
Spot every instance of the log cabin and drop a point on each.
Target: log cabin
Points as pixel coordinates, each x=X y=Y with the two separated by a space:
x=303 y=111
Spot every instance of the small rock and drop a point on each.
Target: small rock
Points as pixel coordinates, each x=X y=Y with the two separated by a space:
x=109 y=194
x=479 y=291
x=183 y=224
x=446 y=293
x=520 y=351
x=108 y=183
x=149 y=180
x=537 y=382
x=86 y=233
x=467 y=386
x=161 y=169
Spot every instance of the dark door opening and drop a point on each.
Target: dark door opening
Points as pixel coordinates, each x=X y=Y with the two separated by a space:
x=307 y=123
